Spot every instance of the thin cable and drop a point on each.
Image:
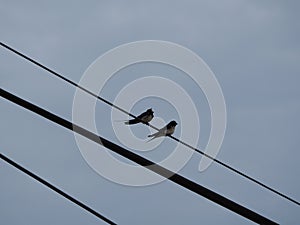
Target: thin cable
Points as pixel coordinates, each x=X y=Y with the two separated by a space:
x=176 y=178
x=131 y=115
x=69 y=81
x=239 y=172
x=57 y=190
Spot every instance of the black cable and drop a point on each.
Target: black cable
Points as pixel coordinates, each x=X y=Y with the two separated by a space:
x=57 y=190
x=174 y=138
x=69 y=81
x=240 y=173
x=176 y=178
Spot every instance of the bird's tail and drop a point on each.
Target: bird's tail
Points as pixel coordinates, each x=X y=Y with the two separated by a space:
x=153 y=137
x=127 y=122
x=130 y=122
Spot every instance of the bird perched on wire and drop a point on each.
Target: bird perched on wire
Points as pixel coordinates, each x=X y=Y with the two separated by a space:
x=166 y=130
x=145 y=117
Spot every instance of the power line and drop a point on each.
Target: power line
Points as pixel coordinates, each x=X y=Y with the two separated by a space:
x=176 y=178
x=131 y=115
x=241 y=173
x=57 y=190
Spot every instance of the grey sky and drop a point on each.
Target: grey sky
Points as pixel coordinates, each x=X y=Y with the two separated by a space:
x=252 y=47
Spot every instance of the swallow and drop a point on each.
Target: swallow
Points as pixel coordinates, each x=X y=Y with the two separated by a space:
x=145 y=117
x=166 y=130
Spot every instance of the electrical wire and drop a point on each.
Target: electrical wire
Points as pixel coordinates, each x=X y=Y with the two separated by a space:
x=52 y=187
x=131 y=115
x=174 y=177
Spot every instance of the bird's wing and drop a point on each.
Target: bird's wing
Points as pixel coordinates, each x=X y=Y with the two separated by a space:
x=161 y=132
x=142 y=115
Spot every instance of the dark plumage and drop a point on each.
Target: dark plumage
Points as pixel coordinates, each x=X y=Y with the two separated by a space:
x=145 y=117
x=166 y=130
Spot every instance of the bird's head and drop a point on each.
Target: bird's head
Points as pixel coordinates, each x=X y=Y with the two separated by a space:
x=173 y=123
x=150 y=111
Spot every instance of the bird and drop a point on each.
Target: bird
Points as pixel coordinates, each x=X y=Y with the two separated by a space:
x=165 y=131
x=145 y=117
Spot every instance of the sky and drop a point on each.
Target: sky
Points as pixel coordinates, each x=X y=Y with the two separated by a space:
x=253 y=49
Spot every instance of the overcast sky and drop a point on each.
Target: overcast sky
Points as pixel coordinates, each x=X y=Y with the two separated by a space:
x=253 y=49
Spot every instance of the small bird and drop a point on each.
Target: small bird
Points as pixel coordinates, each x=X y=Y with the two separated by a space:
x=145 y=117
x=166 y=130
